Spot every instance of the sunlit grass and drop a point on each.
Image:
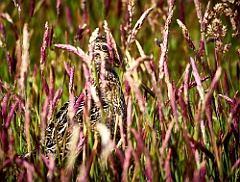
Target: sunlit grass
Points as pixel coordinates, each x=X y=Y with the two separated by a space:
x=184 y=126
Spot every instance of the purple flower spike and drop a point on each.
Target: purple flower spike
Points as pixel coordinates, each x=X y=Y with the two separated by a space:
x=108 y=4
x=10 y=115
x=194 y=83
x=76 y=50
x=127 y=88
x=149 y=171
x=85 y=10
x=164 y=45
x=58 y=7
x=230 y=101
x=56 y=98
x=167 y=166
x=119 y=8
x=138 y=25
x=186 y=81
x=2 y=31
x=197 y=78
x=199 y=175
x=44 y=115
x=4 y=106
x=171 y=93
x=44 y=47
x=1 y=88
x=71 y=81
x=235 y=108
x=129 y=109
x=67 y=68
x=69 y=18
x=126 y=164
x=213 y=85
x=181 y=12
x=32 y=6
x=52 y=80
x=9 y=62
x=45 y=86
x=219 y=107
x=35 y=71
x=50 y=36
x=80 y=31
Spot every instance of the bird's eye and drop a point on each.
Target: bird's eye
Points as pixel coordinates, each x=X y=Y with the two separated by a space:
x=104 y=47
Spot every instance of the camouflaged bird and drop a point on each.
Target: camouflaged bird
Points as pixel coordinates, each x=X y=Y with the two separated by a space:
x=112 y=104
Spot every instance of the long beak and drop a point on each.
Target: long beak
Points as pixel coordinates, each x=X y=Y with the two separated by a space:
x=147 y=89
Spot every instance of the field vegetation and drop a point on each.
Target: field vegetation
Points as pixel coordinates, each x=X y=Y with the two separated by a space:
x=180 y=78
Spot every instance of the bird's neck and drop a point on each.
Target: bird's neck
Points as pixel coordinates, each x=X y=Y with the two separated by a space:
x=104 y=70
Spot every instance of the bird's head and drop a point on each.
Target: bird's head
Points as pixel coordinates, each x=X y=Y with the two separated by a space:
x=101 y=51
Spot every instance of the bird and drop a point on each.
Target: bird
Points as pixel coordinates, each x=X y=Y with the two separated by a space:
x=107 y=86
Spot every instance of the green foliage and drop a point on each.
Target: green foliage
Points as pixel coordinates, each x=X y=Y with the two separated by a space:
x=173 y=135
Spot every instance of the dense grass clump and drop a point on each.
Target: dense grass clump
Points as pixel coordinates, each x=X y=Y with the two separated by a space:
x=180 y=78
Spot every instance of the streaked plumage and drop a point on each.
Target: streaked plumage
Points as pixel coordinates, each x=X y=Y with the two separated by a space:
x=60 y=129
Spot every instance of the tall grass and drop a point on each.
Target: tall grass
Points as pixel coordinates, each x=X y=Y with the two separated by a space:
x=180 y=77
